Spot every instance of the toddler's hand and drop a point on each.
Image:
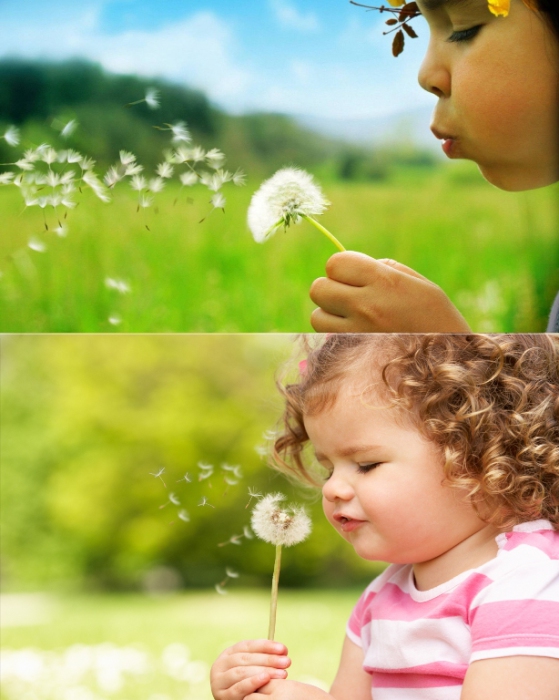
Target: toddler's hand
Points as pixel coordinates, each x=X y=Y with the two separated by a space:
x=247 y=666
x=363 y=295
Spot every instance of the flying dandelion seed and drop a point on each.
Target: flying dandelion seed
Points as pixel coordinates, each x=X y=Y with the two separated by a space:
x=183 y=515
x=127 y=158
x=220 y=589
x=6 y=178
x=205 y=502
x=152 y=98
x=235 y=539
x=288 y=197
x=248 y=533
x=229 y=481
x=69 y=128
x=215 y=158
x=165 y=170
x=61 y=231
x=115 y=320
x=159 y=475
x=282 y=527
x=188 y=179
x=37 y=245
x=239 y=178
x=253 y=494
x=231 y=573
x=174 y=499
x=218 y=201
x=11 y=136
x=186 y=478
x=118 y=285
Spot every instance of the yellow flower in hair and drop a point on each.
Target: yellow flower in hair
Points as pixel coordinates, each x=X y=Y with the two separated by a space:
x=499 y=7
x=397 y=3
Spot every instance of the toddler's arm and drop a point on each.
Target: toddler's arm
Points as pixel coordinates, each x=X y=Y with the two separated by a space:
x=362 y=295
x=512 y=678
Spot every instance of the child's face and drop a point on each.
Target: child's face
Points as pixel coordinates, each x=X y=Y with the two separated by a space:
x=497 y=80
x=397 y=511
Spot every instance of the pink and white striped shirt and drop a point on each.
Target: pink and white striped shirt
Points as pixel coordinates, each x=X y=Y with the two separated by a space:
x=418 y=645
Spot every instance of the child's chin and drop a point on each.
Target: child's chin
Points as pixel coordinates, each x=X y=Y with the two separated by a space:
x=511 y=180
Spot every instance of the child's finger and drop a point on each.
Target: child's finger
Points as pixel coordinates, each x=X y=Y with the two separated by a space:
x=324 y=322
x=248 y=686
x=402 y=268
x=244 y=659
x=264 y=646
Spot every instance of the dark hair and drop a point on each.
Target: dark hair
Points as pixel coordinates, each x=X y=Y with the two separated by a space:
x=551 y=9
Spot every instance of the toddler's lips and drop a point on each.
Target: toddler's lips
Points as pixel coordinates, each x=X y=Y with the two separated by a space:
x=449 y=141
x=348 y=524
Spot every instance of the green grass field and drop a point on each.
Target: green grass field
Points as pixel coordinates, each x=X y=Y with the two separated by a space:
x=496 y=254
x=78 y=652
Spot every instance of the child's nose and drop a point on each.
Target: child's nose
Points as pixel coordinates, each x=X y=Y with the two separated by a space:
x=337 y=488
x=434 y=75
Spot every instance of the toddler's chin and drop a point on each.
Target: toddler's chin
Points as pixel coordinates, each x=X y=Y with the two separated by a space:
x=518 y=180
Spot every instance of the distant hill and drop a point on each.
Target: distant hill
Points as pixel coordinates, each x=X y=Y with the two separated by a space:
x=37 y=96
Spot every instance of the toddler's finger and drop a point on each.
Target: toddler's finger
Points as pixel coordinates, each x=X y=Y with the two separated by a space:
x=248 y=686
x=402 y=268
x=355 y=269
x=245 y=659
x=323 y=322
x=264 y=646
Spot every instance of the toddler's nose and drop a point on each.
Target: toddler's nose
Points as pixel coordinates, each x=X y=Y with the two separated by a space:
x=434 y=74
x=337 y=488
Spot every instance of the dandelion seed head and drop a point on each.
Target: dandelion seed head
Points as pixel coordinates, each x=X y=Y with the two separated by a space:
x=138 y=183
x=37 y=245
x=152 y=98
x=165 y=170
x=218 y=201
x=215 y=158
x=61 y=231
x=127 y=158
x=180 y=133
x=133 y=169
x=239 y=178
x=280 y=526
x=188 y=179
x=11 y=136
x=156 y=184
x=69 y=128
x=282 y=200
x=118 y=285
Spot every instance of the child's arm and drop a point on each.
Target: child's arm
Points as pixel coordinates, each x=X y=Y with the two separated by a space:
x=512 y=678
x=363 y=295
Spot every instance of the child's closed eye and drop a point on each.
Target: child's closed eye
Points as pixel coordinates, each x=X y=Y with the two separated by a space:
x=367 y=467
x=464 y=34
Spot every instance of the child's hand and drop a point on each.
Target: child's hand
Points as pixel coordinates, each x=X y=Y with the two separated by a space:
x=243 y=668
x=289 y=690
x=363 y=295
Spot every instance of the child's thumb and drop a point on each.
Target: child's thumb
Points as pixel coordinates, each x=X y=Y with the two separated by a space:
x=402 y=268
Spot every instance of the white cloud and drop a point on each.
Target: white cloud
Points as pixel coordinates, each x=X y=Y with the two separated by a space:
x=199 y=51
x=290 y=17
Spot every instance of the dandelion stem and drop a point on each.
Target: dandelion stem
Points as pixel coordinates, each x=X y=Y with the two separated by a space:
x=325 y=231
x=274 y=601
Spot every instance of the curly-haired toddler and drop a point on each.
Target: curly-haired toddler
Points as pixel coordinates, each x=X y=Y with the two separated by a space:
x=440 y=455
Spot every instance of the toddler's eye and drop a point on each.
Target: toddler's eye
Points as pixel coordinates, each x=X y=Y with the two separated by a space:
x=369 y=466
x=465 y=34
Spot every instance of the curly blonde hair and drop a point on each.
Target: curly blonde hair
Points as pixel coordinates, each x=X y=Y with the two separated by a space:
x=489 y=402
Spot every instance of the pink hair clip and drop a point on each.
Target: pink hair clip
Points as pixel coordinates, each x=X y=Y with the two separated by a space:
x=303 y=367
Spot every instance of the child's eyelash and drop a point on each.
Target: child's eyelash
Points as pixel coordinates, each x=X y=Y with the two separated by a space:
x=465 y=34
x=364 y=468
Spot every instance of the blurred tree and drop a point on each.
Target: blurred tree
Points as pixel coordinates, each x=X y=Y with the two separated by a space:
x=86 y=423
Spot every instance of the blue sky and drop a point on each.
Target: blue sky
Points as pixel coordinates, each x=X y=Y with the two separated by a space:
x=322 y=58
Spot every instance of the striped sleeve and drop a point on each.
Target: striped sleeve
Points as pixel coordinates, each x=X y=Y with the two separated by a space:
x=518 y=613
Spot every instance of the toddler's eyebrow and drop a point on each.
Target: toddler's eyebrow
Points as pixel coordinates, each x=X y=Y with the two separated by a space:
x=432 y=5
x=348 y=451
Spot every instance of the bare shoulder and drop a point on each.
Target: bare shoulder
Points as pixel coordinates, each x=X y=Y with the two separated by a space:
x=512 y=678
x=351 y=682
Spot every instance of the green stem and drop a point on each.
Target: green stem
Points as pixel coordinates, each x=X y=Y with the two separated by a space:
x=325 y=231
x=275 y=585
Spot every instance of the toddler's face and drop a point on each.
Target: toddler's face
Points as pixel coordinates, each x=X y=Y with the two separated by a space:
x=384 y=493
x=497 y=81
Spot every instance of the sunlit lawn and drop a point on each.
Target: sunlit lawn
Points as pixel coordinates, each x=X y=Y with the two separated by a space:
x=495 y=253
x=311 y=623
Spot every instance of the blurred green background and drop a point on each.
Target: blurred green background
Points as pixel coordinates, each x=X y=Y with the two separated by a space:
x=496 y=254
x=105 y=594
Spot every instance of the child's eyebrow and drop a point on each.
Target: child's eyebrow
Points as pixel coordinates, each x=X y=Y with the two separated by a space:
x=348 y=451
x=432 y=5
